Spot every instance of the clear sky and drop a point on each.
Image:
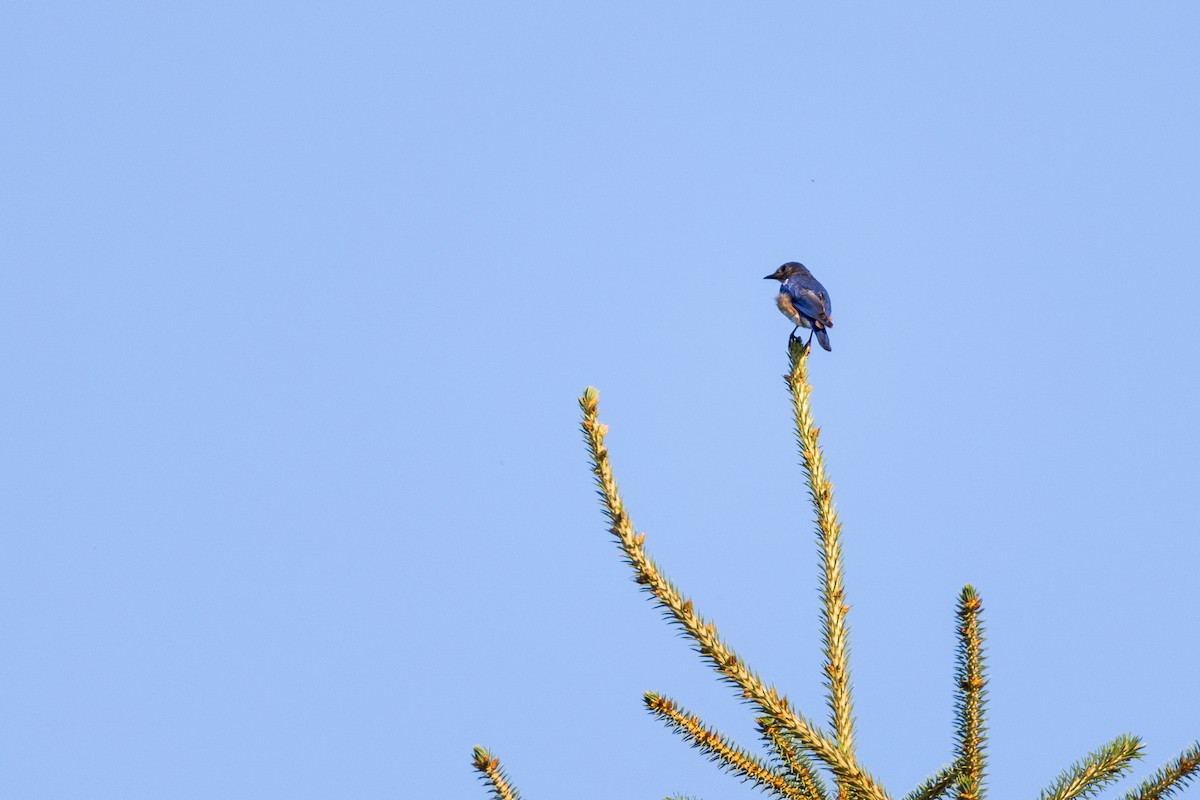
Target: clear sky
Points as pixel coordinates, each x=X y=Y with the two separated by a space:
x=297 y=299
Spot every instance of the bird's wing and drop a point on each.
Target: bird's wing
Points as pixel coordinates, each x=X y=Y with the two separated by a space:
x=825 y=301
x=811 y=301
x=819 y=291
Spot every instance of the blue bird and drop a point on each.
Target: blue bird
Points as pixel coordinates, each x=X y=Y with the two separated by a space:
x=804 y=301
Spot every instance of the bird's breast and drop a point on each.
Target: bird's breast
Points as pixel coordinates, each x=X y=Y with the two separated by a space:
x=788 y=310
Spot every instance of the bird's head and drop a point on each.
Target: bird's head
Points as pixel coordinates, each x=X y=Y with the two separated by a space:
x=786 y=271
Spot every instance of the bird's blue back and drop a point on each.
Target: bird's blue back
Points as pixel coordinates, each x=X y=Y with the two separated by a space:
x=808 y=296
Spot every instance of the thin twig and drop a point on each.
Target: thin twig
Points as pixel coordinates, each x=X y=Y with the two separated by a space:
x=724 y=752
x=1175 y=775
x=491 y=773
x=834 y=629
x=971 y=697
x=1086 y=776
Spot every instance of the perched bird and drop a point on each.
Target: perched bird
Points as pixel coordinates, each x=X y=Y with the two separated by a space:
x=804 y=301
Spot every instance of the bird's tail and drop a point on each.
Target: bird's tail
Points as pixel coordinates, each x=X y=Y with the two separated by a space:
x=822 y=337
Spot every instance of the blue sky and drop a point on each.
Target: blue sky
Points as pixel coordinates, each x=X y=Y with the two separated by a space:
x=297 y=300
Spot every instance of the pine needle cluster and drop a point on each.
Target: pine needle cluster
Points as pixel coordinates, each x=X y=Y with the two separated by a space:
x=799 y=756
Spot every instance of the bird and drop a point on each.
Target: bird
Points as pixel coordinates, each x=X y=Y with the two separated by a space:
x=804 y=301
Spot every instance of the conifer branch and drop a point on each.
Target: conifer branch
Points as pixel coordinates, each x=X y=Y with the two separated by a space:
x=971 y=697
x=1175 y=775
x=795 y=762
x=720 y=750
x=491 y=773
x=936 y=785
x=1085 y=777
x=704 y=633
x=834 y=629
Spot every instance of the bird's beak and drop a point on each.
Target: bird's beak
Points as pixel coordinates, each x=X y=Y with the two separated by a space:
x=769 y=277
